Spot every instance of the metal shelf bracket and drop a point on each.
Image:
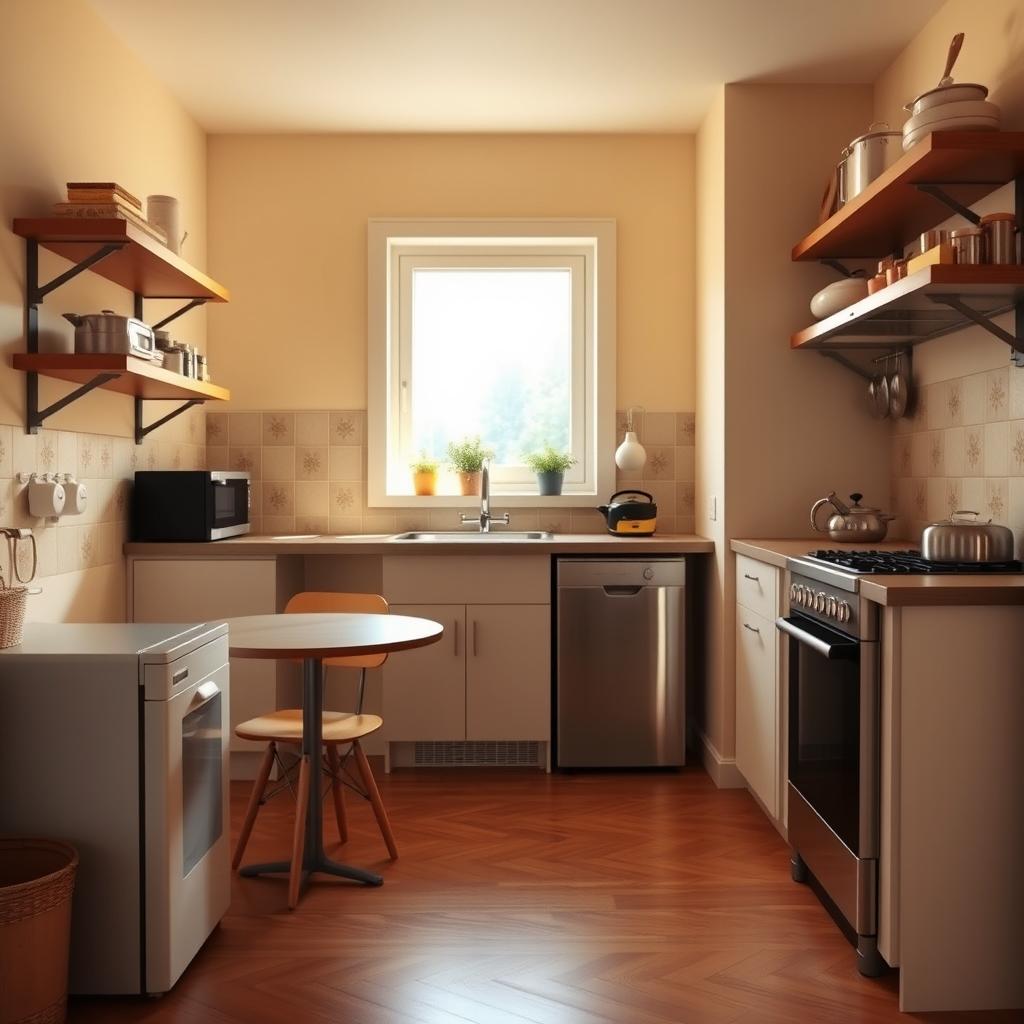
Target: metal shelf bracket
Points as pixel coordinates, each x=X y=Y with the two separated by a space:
x=141 y=431
x=837 y=357
x=37 y=292
x=939 y=192
x=35 y=416
x=985 y=321
x=174 y=316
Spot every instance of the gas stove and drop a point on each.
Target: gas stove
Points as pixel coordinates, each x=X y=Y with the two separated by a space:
x=821 y=581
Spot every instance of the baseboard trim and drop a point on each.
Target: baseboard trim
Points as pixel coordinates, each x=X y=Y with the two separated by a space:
x=723 y=770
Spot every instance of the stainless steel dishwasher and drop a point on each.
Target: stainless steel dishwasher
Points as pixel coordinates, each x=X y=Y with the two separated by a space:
x=620 y=684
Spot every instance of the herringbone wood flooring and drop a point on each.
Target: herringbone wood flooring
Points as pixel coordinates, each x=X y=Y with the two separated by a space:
x=521 y=898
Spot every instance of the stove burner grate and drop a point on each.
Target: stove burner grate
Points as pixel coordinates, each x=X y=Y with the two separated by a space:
x=908 y=563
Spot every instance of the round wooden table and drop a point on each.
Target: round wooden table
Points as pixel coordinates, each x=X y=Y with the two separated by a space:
x=311 y=638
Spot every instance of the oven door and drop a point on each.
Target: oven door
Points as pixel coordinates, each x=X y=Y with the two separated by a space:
x=228 y=507
x=186 y=856
x=834 y=729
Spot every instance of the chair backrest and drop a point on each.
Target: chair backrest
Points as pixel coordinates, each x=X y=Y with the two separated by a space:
x=312 y=601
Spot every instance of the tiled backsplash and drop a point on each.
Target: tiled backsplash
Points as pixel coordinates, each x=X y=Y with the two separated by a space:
x=105 y=465
x=962 y=449
x=309 y=473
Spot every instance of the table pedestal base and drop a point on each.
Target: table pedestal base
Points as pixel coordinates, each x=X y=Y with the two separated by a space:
x=313 y=858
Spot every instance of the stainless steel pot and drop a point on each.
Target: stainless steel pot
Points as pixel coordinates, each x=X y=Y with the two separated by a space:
x=961 y=539
x=108 y=332
x=851 y=524
x=869 y=155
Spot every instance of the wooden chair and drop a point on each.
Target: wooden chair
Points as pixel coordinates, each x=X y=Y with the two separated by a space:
x=340 y=729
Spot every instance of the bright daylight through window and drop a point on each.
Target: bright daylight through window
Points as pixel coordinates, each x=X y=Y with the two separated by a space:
x=493 y=337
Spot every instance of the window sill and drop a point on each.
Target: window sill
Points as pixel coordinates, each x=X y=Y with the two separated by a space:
x=498 y=501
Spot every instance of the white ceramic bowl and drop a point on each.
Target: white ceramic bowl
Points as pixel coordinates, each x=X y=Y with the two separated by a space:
x=838 y=295
x=945 y=94
x=980 y=109
x=958 y=124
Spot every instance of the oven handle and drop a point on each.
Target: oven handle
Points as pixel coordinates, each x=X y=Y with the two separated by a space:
x=827 y=647
x=205 y=692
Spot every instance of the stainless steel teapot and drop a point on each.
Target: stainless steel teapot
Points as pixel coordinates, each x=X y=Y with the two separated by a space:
x=851 y=523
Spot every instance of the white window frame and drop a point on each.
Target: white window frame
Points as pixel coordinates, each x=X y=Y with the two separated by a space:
x=398 y=247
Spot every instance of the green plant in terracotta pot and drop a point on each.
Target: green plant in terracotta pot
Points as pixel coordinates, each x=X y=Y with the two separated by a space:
x=424 y=474
x=550 y=465
x=467 y=458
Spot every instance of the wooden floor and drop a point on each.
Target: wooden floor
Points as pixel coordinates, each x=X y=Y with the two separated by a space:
x=519 y=897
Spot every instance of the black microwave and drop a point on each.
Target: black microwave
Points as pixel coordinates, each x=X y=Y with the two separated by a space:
x=190 y=505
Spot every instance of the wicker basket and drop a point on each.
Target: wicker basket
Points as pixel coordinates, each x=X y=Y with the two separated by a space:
x=12 y=614
x=37 y=878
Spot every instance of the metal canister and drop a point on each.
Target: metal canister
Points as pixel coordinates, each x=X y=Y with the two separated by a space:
x=930 y=239
x=1000 y=233
x=201 y=372
x=967 y=244
x=174 y=359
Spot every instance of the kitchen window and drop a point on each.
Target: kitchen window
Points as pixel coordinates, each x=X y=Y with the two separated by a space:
x=500 y=329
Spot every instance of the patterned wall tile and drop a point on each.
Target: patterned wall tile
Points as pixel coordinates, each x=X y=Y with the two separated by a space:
x=312 y=463
x=348 y=427
x=312 y=428
x=278 y=428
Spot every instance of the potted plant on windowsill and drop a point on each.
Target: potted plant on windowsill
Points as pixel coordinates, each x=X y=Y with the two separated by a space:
x=550 y=465
x=424 y=474
x=467 y=458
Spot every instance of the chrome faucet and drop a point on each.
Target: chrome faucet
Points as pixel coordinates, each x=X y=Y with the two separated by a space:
x=484 y=519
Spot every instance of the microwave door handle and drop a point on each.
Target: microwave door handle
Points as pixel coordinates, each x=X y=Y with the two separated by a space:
x=830 y=650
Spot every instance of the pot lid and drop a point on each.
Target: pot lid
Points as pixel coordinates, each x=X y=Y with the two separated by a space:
x=945 y=88
x=886 y=133
x=989 y=218
x=858 y=509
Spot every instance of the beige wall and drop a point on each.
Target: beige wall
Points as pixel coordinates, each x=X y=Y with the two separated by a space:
x=787 y=427
x=288 y=233
x=76 y=104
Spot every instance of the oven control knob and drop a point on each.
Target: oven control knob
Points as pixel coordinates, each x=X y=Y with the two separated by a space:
x=831 y=607
x=794 y=590
x=844 y=611
x=802 y=595
x=819 y=601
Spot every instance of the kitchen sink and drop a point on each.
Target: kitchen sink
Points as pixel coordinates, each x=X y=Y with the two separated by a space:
x=446 y=536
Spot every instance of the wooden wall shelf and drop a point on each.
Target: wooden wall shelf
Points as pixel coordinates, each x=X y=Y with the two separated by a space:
x=134 y=376
x=143 y=265
x=892 y=211
x=909 y=311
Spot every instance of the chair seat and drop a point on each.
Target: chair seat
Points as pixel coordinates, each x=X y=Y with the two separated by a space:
x=286 y=726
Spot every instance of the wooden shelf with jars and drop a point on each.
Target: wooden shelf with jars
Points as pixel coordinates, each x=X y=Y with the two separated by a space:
x=125 y=254
x=945 y=171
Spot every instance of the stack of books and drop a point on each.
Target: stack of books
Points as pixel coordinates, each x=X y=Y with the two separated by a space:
x=104 y=200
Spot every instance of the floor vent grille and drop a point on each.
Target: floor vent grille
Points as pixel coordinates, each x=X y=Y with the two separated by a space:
x=512 y=753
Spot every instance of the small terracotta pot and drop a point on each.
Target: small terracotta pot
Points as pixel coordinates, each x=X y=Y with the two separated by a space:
x=424 y=483
x=469 y=483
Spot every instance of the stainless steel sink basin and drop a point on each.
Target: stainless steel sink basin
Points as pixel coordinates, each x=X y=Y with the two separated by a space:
x=448 y=536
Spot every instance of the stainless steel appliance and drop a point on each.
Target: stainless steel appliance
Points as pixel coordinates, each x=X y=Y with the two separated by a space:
x=620 y=660
x=109 y=332
x=121 y=748
x=190 y=505
x=834 y=727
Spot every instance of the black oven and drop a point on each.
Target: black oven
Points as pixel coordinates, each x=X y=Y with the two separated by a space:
x=834 y=736
x=190 y=505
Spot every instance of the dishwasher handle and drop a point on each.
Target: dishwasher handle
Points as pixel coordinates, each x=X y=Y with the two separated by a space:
x=622 y=590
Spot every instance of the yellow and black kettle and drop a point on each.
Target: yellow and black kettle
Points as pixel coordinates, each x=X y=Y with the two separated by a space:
x=630 y=517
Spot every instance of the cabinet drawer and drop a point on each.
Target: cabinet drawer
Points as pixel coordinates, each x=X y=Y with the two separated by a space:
x=757 y=721
x=757 y=586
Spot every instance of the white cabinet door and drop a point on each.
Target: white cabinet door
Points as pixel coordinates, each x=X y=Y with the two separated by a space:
x=756 y=706
x=508 y=672
x=425 y=688
x=203 y=590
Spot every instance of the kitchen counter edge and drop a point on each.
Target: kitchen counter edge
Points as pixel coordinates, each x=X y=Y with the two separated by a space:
x=561 y=544
x=896 y=591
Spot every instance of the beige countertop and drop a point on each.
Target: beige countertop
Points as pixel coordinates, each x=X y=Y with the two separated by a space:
x=897 y=590
x=383 y=544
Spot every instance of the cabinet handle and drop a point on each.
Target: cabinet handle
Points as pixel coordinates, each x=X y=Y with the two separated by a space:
x=455 y=637
x=753 y=579
x=753 y=629
x=474 y=637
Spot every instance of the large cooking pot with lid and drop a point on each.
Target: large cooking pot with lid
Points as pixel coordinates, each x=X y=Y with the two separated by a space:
x=856 y=523
x=108 y=332
x=964 y=538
